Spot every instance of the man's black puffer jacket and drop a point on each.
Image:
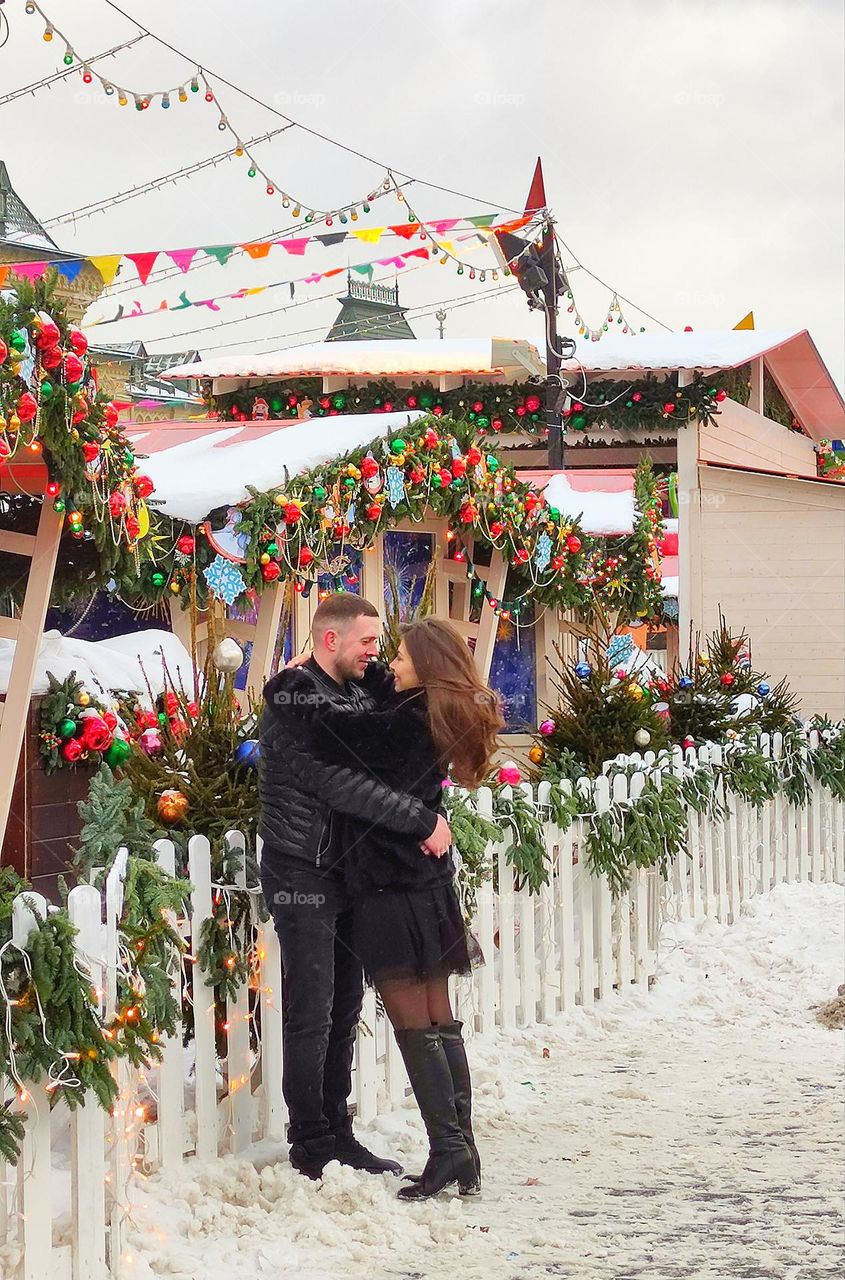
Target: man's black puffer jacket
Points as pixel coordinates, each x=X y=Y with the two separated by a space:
x=396 y=741
x=301 y=792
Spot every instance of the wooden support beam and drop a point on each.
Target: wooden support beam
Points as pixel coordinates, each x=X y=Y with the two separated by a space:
x=17 y=544
x=264 y=636
x=9 y=628
x=372 y=575
x=489 y=623
x=22 y=673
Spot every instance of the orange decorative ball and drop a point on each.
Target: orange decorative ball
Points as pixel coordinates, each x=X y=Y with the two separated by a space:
x=536 y=755
x=172 y=806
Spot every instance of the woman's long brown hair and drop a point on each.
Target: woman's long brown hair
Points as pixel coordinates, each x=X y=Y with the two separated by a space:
x=464 y=715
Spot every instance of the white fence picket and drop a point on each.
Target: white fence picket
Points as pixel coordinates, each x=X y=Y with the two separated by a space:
x=565 y=913
x=170 y=1100
x=527 y=953
x=547 y=961
x=205 y=1061
x=239 y=1101
x=485 y=976
x=507 y=941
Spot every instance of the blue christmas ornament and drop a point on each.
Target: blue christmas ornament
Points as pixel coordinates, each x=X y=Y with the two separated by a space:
x=395 y=485
x=247 y=753
x=582 y=670
x=763 y=689
x=543 y=552
x=685 y=682
x=224 y=579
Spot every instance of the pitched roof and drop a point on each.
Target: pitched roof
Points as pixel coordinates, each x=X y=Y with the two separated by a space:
x=18 y=225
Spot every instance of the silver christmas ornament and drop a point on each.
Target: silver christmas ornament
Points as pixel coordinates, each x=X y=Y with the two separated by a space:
x=642 y=737
x=228 y=656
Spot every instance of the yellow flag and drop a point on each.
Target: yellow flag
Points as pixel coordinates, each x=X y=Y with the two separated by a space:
x=107 y=265
x=747 y=322
x=370 y=235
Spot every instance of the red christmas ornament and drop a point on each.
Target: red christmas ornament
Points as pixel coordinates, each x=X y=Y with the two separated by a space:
x=669 y=407
x=459 y=467
x=573 y=544
x=4 y=351
x=171 y=703
x=51 y=359
x=521 y=410
x=133 y=527
x=192 y=710
x=73 y=367
x=473 y=456
x=27 y=407
x=117 y=504
x=4 y=450
x=416 y=475
x=143 y=486
x=388 y=406
x=292 y=513
x=369 y=468
x=72 y=750
x=637 y=397
x=178 y=727
x=532 y=403
x=90 y=451
x=77 y=340
x=185 y=545
x=110 y=719
x=270 y=572
x=557 y=562
x=728 y=678
x=431 y=438
x=478 y=406
x=411 y=401
x=468 y=513
x=721 y=395
x=96 y=734
x=48 y=335
x=445 y=477
x=496 y=529
x=306 y=555
x=521 y=555
x=438 y=411
x=111 y=414
x=373 y=511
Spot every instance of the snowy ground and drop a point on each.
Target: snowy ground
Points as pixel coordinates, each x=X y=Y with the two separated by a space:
x=694 y=1131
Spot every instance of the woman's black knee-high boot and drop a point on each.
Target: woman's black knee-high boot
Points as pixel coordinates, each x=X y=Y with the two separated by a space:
x=450 y=1159
x=453 y=1046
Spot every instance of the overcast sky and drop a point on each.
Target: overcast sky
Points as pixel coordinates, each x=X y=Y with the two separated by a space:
x=693 y=151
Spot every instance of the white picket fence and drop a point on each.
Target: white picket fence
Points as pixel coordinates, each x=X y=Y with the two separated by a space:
x=569 y=945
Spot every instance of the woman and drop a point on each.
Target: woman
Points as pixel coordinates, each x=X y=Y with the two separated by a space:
x=435 y=717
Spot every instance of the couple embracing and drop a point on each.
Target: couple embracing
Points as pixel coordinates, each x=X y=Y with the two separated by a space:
x=357 y=872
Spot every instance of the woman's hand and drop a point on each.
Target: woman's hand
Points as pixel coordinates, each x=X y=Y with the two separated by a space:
x=297 y=661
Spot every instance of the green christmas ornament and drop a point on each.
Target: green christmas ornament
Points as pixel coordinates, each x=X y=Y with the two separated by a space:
x=118 y=753
x=128 y=457
x=158 y=579
x=272 y=549
x=66 y=729
x=18 y=340
x=46 y=389
x=319 y=493
x=579 y=422
x=492 y=462
x=275 y=404
x=59 y=504
x=398 y=445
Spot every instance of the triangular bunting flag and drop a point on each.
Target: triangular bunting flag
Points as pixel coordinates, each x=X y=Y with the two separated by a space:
x=258 y=289
x=335 y=271
x=222 y=252
x=182 y=257
x=313 y=279
x=292 y=288
x=137 y=309
x=208 y=302
x=31 y=270
x=257 y=250
x=482 y=219
x=406 y=230
x=70 y=270
x=184 y=301
x=537 y=192
x=417 y=253
x=514 y=224
x=397 y=262
x=365 y=269
x=445 y=224
x=747 y=322
x=369 y=235
x=334 y=237
x=144 y=263
x=297 y=245
x=107 y=265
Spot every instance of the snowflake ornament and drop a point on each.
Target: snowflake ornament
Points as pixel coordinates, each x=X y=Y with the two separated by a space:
x=395 y=485
x=224 y=579
x=543 y=552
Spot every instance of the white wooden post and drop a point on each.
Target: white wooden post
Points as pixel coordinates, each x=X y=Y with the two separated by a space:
x=639 y=893
x=88 y=1127
x=239 y=1065
x=205 y=1089
x=171 y=1105
x=274 y=1111
x=507 y=950
x=565 y=911
x=34 y=1165
x=527 y=944
x=587 y=964
x=602 y=896
x=545 y=915
x=485 y=977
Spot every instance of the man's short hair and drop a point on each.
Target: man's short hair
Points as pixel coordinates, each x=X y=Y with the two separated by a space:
x=338 y=609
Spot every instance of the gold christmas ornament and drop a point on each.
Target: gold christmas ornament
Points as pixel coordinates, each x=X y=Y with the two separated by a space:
x=537 y=755
x=635 y=691
x=172 y=806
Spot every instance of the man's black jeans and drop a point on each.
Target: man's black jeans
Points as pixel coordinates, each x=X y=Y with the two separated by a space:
x=322 y=990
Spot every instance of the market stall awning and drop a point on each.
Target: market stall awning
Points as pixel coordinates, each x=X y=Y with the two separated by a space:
x=492 y=359
x=790 y=356
x=603 y=499
x=197 y=466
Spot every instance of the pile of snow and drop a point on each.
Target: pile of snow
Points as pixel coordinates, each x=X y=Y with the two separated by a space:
x=124 y=663
x=693 y=1130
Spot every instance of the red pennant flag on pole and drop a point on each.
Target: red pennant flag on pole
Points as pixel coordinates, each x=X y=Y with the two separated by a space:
x=537 y=194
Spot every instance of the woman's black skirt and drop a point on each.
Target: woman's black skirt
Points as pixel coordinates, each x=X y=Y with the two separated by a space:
x=413 y=935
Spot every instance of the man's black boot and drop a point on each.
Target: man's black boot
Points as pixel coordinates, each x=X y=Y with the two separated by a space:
x=312 y=1155
x=349 y=1151
x=450 y=1159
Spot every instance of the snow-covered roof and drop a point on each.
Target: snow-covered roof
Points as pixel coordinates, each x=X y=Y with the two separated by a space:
x=494 y=358
x=603 y=499
x=197 y=466
x=790 y=356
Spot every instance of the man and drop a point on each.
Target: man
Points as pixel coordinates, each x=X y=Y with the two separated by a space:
x=301 y=873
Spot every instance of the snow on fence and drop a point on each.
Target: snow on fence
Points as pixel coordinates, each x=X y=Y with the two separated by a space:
x=569 y=945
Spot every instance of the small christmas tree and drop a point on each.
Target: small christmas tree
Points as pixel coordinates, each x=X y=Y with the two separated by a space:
x=603 y=710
